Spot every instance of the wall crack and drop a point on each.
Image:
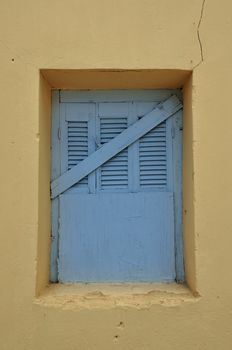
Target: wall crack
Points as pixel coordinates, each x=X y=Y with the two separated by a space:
x=199 y=36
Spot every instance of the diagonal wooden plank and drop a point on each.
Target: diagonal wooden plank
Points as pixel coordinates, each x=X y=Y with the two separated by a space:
x=113 y=147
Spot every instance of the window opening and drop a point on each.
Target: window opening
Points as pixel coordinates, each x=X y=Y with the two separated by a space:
x=122 y=221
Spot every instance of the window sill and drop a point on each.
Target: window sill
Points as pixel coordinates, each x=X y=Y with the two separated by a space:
x=105 y=296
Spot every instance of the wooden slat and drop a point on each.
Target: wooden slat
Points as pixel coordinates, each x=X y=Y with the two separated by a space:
x=117 y=95
x=116 y=145
x=177 y=186
x=55 y=172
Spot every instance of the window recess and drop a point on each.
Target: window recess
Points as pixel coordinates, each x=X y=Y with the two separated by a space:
x=117 y=200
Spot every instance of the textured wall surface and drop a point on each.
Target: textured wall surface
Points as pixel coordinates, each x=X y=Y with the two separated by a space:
x=124 y=34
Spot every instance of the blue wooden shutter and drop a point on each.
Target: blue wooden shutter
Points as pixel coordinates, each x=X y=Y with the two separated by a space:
x=104 y=235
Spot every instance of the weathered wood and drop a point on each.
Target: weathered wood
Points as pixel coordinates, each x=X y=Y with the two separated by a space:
x=55 y=172
x=120 y=142
x=117 y=237
x=73 y=96
x=177 y=189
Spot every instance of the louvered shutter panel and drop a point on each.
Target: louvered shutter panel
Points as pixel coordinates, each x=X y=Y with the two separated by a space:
x=114 y=173
x=77 y=137
x=153 y=158
x=77 y=145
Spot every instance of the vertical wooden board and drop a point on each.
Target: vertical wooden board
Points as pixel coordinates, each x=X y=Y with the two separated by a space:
x=54 y=240
x=117 y=237
x=55 y=172
x=177 y=122
x=133 y=154
x=92 y=143
x=55 y=131
x=63 y=139
x=169 y=152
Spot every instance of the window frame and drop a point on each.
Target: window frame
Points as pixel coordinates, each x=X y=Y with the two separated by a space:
x=59 y=97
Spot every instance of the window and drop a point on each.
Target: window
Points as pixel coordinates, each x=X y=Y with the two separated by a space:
x=116 y=186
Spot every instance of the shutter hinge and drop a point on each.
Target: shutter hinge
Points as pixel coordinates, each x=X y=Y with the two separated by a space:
x=173 y=131
x=58 y=134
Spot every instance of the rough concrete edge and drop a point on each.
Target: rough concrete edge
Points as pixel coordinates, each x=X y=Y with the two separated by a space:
x=99 y=298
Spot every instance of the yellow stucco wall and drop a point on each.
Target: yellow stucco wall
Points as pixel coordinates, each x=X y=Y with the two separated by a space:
x=133 y=35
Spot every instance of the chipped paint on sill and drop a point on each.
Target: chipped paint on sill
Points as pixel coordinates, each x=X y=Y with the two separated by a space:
x=106 y=296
